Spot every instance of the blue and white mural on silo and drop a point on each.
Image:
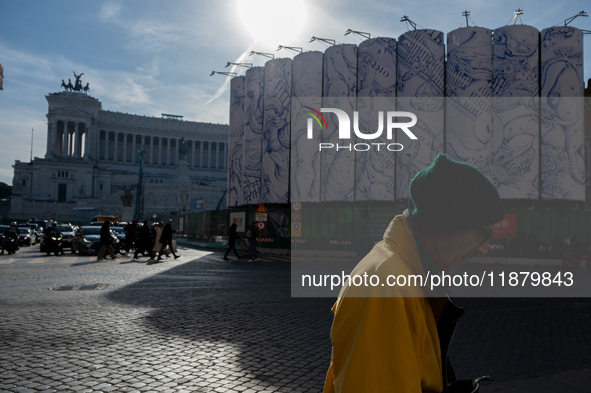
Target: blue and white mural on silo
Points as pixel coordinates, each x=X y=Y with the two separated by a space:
x=376 y=92
x=276 y=132
x=235 y=141
x=253 y=135
x=305 y=156
x=515 y=112
x=420 y=86
x=340 y=90
x=562 y=127
x=468 y=87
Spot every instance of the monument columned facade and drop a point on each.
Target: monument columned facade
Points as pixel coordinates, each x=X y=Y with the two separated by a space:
x=92 y=163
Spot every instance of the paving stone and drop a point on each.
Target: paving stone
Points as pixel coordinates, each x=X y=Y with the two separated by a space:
x=236 y=329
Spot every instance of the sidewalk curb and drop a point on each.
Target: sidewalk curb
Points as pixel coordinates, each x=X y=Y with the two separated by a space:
x=223 y=247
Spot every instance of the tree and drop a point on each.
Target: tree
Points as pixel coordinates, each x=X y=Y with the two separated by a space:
x=5 y=190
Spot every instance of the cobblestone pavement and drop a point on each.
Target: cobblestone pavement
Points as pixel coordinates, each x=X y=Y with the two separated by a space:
x=201 y=324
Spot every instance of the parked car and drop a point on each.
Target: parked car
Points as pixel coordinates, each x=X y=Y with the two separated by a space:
x=87 y=240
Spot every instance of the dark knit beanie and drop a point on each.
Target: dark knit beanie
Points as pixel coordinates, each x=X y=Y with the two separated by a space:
x=451 y=196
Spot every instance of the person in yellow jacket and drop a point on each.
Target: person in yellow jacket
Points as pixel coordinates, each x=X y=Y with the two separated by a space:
x=396 y=338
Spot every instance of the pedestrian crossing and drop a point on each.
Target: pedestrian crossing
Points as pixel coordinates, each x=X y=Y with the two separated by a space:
x=32 y=256
x=38 y=258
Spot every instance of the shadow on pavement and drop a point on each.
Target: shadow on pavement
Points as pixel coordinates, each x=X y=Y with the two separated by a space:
x=242 y=318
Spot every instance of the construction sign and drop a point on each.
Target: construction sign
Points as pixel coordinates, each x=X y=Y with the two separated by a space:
x=508 y=225
x=296 y=229
x=296 y=219
x=261 y=213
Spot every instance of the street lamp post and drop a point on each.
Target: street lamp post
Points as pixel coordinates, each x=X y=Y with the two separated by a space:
x=138 y=201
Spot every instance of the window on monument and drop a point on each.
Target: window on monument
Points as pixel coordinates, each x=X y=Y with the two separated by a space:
x=197 y=153
x=81 y=140
x=174 y=152
x=62 y=192
x=59 y=136
x=206 y=147
x=102 y=141
x=24 y=182
x=221 y=156
x=213 y=147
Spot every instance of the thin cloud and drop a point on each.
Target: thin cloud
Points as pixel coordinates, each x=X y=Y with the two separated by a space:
x=155 y=35
x=22 y=66
x=6 y=176
x=109 y=10
x=122 y=91
x=147 y=34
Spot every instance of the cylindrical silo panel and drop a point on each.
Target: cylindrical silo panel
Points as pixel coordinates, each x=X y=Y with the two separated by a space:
x=563 y=132
x=235 y=142
x=305 y=155
x=420 y=86
x=338 y=155
x=516 y=132
x=376 y=96
x=253 y=135
x=468 y=108
x=276 y=132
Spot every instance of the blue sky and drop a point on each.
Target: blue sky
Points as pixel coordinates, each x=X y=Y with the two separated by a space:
x=149 y=57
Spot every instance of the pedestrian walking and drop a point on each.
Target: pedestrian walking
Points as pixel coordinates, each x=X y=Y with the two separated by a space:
x=166 y=240
x=153 y=235
x=396 y=339
x=157 y=245
x=106 y=242
x=567 y=243
x=130 y=236
x=145 y=240
x=232 y=237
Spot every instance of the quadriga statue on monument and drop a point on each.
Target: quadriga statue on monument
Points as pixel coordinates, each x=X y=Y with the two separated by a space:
x=78 y=84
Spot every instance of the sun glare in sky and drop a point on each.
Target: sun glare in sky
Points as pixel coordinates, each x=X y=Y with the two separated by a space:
x=273 y=22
